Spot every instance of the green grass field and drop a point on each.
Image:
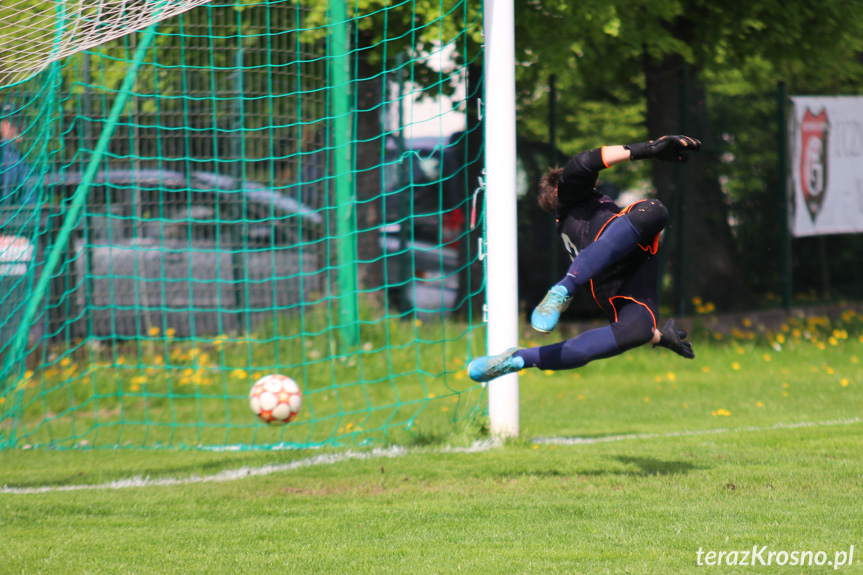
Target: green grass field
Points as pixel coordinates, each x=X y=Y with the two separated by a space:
x=753 y=443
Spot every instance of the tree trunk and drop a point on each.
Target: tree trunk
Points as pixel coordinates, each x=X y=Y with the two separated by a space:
x=369 y=159
x=701 y=254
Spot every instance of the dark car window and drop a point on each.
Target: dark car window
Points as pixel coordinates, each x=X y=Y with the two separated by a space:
x=167 y=206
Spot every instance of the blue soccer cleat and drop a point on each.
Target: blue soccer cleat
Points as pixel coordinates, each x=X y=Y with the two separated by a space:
x=547 y=313
x=488 y=367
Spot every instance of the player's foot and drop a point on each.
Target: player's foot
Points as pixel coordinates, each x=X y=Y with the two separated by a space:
x=547 y=313
x=488 y=367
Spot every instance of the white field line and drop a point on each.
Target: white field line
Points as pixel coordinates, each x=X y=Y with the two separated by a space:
x=630 y=436
x=391 y=452
x=243 y=472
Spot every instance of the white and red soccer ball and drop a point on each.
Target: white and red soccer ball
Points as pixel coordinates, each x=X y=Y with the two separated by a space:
x=276 y=399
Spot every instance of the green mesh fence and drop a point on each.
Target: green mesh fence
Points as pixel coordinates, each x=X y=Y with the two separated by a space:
x=245 y=189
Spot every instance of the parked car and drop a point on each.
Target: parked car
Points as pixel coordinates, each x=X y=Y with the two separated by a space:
x=202 y=253
x=422 y=226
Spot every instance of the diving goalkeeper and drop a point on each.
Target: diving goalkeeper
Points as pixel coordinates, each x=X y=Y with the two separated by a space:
x=612 y=251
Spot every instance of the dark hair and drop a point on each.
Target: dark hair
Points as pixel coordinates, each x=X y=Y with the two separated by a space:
x=547 y=195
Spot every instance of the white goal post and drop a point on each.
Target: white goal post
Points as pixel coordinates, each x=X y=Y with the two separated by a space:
x=501 y=230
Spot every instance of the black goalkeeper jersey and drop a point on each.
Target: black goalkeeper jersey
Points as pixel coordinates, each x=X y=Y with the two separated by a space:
x=582 y=213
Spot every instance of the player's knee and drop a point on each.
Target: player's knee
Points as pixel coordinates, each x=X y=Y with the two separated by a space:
x=635 y=330
x=649 y=217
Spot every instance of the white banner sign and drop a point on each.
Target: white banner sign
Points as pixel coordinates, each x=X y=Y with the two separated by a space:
x=827 y=165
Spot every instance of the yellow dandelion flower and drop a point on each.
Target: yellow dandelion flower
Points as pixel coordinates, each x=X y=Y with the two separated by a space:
x=767 y=357
x=696 y=301
x=785 y=384
x=548 y=372
x=747 y=322
x=646 y=400
x=759 y=404
x=419 y=322
x=705 y=369
x=239 y=374
x=432 y=396
x=153 y=331
x=534 y=446
x=784 y=394
x=830 y=370
x=459 y=375
x=65 y=361
x=444 y=408
x=844 y=382
x=581 y=396
x=721 y=413
x=671 y=376
x=685 y=406
x=121 y=360
x=735 y=366
x=717 y=336
x=780 y=338
x=657 y=378
x=832 y=341
x=854 y=359
x=796 y=333
x=740 y=350
x=821 y=345
x=170 y=332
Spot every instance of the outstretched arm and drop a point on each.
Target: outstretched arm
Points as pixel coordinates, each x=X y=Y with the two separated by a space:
x=666 y=148
x=612 y=155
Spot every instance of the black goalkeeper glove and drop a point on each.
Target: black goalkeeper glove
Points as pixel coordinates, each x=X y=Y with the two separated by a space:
x=674 y=339
x=666 y=148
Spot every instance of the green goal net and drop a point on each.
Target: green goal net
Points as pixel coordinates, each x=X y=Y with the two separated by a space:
x=237 y=190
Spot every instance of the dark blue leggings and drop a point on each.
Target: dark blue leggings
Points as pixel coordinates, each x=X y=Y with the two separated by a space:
x=634 y=327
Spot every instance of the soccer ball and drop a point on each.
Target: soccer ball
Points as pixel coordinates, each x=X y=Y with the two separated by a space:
x=275 y=399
